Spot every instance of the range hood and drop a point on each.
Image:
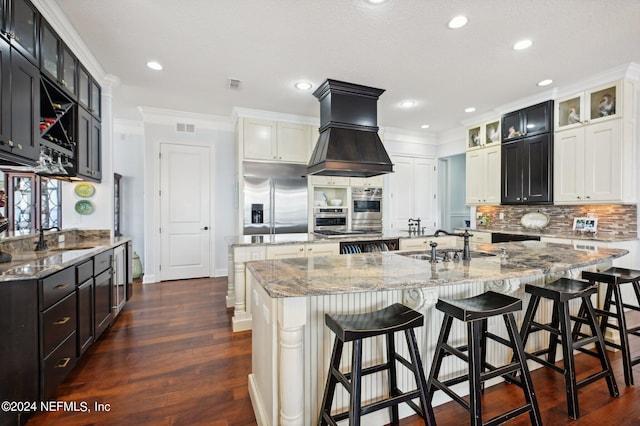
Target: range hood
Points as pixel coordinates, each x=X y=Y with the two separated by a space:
x=348 y=144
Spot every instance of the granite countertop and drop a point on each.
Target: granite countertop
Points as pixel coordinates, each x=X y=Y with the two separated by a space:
x=28 y=265
x=568 y=234
x=302 y=277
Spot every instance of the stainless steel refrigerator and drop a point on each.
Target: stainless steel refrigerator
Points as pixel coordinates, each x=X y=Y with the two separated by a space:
x=275 y=198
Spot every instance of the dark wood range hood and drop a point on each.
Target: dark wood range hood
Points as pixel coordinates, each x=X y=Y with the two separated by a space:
x=348 y=144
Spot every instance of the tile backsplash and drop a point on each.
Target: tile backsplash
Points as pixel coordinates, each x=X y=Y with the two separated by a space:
x=613 y=219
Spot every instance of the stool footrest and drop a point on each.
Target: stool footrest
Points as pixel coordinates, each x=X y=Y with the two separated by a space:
x=534 y=357
x=591 y=379
x=508 y=415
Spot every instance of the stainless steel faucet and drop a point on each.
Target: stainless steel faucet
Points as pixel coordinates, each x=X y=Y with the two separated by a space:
x=466 y=251
x=414 y=226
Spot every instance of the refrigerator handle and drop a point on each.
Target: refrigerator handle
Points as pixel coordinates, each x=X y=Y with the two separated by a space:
x=272 y=207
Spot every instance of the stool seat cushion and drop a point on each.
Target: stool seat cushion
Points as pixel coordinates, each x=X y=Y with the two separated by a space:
x=562 y=290
x=478 y=307
x=612 y=276
x=396 y=317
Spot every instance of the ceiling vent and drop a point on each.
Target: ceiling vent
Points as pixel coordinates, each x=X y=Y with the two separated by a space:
x=185 y=128
x=234 y=83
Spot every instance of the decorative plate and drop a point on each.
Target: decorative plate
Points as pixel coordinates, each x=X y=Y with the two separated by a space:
x=85 y=207
x=535 y=220
x=85 y=189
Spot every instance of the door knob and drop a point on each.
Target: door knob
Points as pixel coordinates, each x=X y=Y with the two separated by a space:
x=206 y=228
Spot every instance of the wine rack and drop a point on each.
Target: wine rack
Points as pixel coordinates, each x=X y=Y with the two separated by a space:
x=57 y=125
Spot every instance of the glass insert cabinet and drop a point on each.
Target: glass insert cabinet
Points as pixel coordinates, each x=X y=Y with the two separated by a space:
x=598 y=104
x=484 y=134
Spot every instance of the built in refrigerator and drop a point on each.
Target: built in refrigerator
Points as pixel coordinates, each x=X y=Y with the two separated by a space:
x=275 y=198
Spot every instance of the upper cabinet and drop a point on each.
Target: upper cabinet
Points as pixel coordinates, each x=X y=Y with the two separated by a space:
x=56 y=60
x=531 y=121
x=595 y=146
x=483 y=176
x=602 y=103
x=275 y=141
x=483 y=134
x=89 y=92
x=527 y=167
x=370 y=182
x=21 y=25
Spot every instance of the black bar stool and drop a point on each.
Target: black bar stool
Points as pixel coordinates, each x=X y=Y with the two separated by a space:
x=475 y=311
x=561 y=292
x=354 y=328
x=614 y=277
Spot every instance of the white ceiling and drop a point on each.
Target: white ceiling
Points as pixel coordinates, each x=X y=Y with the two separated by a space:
x=403 y=46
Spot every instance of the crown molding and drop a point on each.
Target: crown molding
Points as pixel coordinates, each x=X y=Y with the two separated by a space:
x=274 y=116
x=166 y=116
x=65 y=29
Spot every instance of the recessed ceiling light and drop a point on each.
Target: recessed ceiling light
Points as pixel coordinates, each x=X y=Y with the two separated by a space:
x=303 y=85
x=157 y=66
x=522 y=44
x=424 y=126
x=458 y=22
x=470 y=109
x=546 y=82
x=407 y=104
x=376 y=1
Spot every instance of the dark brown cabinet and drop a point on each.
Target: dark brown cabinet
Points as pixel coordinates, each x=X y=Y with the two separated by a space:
x=5 y=92
x=85 y=298
x=89 y=144
x=103 y=291
x=527 y=171
x=21 y=142
x=56 y=60
x=21 y=28
x=530 y=121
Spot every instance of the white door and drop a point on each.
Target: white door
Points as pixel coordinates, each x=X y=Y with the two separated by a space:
x=184 y=212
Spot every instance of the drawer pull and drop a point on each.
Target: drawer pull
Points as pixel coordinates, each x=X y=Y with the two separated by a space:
x=62 y=321
x=63 y=363
x=61 y=286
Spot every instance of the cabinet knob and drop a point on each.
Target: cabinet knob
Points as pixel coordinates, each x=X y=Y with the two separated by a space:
x=517 y=198
x=587 y=197
x=579 y=197
x=19 y=146
x=10 y=143
x=525 y=198
x=301 y=249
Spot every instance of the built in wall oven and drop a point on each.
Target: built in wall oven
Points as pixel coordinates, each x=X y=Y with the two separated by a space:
x=367 y=208
x=330 y=219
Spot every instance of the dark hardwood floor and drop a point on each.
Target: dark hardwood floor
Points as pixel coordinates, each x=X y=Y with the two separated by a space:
x=171 y=359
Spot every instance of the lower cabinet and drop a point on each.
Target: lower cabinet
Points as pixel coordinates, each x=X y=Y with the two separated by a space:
x=103 y=291
x=46 y=325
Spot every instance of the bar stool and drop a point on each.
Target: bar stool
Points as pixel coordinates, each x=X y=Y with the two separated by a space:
x=356 y=327
x=475 y=311
x=614 y=277
x=561 y=292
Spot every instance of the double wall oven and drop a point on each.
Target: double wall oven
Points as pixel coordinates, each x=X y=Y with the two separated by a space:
x=367 y=209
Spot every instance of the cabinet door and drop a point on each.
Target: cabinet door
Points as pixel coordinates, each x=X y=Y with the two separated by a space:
x=474 y=137
x=512 y=126
x=475 y=177
x=569 y=112
x=604 y=102
x=96 y=149
x=259 y=139
x=569 y=166
x=491 y=174
x=85 y=316
x=491 y=133
x=95 y=99
x=537 y=168
x=49 y=52
x=103 y=292
x=536 y=119
x=285 y=251
x=322 y=249
x=83 y=141
x=84 y=87
x=294 y=142
x=5 y=93
x=603 y=152
x=68 y=71
x=24 y=29
x=25 y=108
x=511 y=181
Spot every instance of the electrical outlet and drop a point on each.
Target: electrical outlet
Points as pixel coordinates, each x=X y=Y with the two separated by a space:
x=501 y=216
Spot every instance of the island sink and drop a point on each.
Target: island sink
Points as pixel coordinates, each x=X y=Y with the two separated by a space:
x=444 y=255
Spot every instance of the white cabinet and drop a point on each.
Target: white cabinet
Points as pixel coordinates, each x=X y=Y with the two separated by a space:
x=483 y=134
x=595 y=148
x=316 y=180
x=287 y=251
x=276 y=141
x=588 y=166
x=483 y=176
x=602 y=103
x=412 y=193
x=372 y=182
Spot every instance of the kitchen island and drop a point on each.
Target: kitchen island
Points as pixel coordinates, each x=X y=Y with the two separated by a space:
x=289 y=297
